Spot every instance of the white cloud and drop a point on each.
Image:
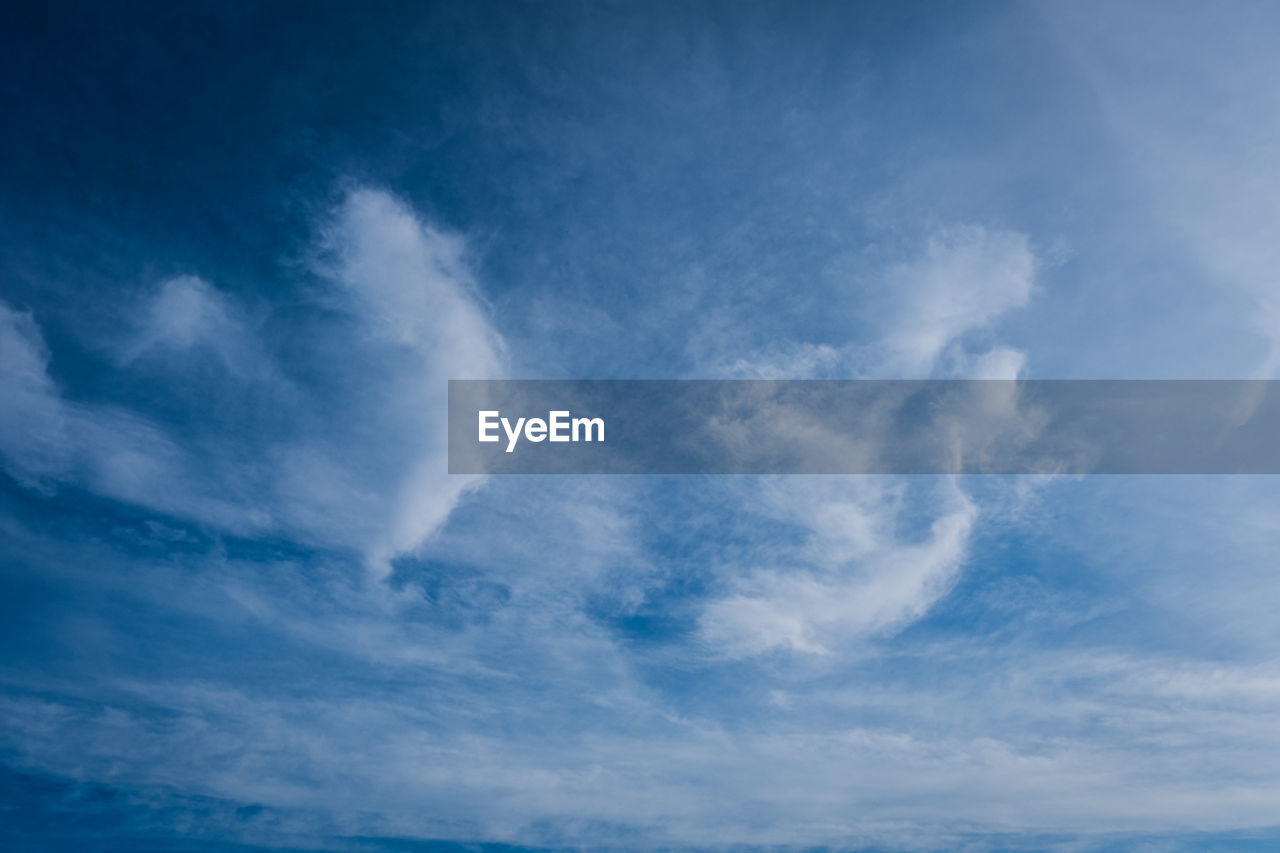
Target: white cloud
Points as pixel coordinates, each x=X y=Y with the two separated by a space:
x=419 y=323
x=188 y=315
x=967 y=279
x=363 y=461
x=34 y=436
x=928 y=314
x=409 y=284
x=997 y=363
x=1149 y=746
x=45 y=439
x=853 y=577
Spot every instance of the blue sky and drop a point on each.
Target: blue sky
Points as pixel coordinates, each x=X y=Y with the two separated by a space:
x=244 y=247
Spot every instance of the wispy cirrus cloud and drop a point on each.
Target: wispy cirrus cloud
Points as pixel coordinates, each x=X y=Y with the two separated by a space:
x=362 y=464
x=931 y=313
x=187 y=317
x=855 y=575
